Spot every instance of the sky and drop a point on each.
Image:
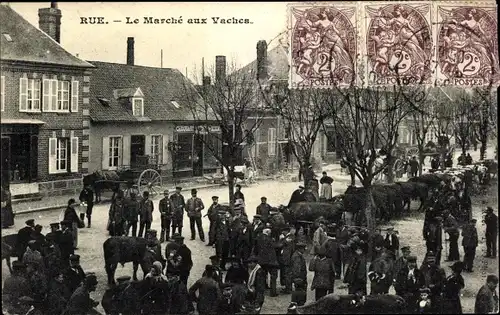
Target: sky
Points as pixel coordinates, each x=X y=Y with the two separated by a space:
x=184 y=45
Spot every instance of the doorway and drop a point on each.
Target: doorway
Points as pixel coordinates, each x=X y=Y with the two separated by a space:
x=137 y=149
x=5 y=160
x=198 y=155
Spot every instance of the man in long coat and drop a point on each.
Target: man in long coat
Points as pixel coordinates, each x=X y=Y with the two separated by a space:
x=451 y=227
x=208 y=293
x=87 y=196
x=409 y=281
x=451 y=293
x=298 y=265
x=244 y=241
x=491 y=221
x=265 y=250
x=487 y=298
x=23 y=237
x=380 y=274
x=74 y=275
x=66 y=243
x=286 y=247
x=166 y=212
x=194 y=206
x=469 y=242
x=355 y=275
x=146 y=214
x=222 y=232
x=434 y=238
x=178 y=204
x=186 y=259
x=213 y=214
x=263 y=210
x=80 y=302
x=434 y=278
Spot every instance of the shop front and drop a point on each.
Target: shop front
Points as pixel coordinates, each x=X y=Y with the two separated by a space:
x=20 y=155
x=194 y=151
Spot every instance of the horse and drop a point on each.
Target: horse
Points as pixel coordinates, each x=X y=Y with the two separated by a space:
x=99 y=181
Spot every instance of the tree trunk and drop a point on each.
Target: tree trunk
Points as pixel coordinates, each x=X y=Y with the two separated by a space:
x=369 y=213
x=390 y=168
x=230 y=183
x=421 y=158
x=352 y=172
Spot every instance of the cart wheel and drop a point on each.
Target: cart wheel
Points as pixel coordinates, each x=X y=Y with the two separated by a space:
x=149 y=180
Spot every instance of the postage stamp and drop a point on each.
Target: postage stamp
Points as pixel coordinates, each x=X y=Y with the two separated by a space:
x=323 y=45
x=467 y=45
x=399 y=47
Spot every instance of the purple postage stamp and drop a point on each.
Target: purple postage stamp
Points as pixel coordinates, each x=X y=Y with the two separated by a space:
x=467 y=45
x=398 y=43
x=323 y=45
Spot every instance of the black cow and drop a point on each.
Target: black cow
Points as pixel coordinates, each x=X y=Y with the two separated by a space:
x=395 y=194
x=123 y=249
x=311 y=211
x=349 y=304
x=355 y=201
x=412 y=191
x=109 y=180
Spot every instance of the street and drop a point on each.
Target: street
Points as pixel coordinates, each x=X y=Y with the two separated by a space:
x=90 y=240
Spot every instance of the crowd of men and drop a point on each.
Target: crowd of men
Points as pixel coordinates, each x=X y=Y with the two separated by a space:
x=260 y=252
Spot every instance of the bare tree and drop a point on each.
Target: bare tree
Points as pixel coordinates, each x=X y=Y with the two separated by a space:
x=464 y=112
x=228 y=103
x=485 y=99
x=304 y=113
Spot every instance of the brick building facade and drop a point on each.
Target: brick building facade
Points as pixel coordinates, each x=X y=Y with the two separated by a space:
x=45 y=107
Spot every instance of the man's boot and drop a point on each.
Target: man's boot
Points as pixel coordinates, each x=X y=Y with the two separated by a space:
x=88 y=221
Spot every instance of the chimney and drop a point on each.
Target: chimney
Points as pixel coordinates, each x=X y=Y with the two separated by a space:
x=220 y=68
x=130 y=51
x=261 y=60
x=206 y=81
x=49 y=21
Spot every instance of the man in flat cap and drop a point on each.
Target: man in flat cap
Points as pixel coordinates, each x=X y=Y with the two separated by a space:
x=74 y=275
x=222 y=231
x=244 y=242
x=355 y=275
x=298 y=262
x=434 y=238
x=146 y=213
x=236 y=274
x=24 y=236
x=434 y=277
x=402 y=261
x=409 y=281
x=450 y=226
x=186 y=261
x=263 y=209
x=217 y=272
x=212 y=215
x=66 y=243
x=469 y=242
x=391 y=242
x=166 y=212
x=257 y=227
x=452 y=303
x=256 y=283
x=194 y=206
x=178 y=204
x=491 y=221
x=55 y=232
x=286 y=248
x=80 y=302
x=229 y=303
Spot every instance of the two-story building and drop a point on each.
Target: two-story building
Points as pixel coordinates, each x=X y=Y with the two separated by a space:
x=44 y=107
x=141 y=118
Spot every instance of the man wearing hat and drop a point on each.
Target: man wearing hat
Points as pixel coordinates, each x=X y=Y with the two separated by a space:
x=66 y=242
x=408 y=281
x=434 y=238
x=263 y=209
x=166 y=211
x=228 y=303
x=58 y=294
x=257 y=227
x=185 y=257
x=194 y=206
x=355 y=275
x=469 y=242
x=286 y=247
x=71 y=216
x=378 y=243
x=55 y=232
x=491 y=221
x=391 y=242
x=236 y=274
x=238 y=194
x=178 y=205
x=244 y=241
x=333 y=250
x=74 y=275
x=217 y=272
x=146 y=213
x=208 y=292
x=298 y=262
x=256 y=283
x=487 y=298
x=450 y=226
x=452 y=303
x=266 y=253
x=434 y=277
x=80 y=302
x=222 y=232
x=87 y=197
x=212 y=215
x=24 y=236
x=402 y=261
x=297 y=196
x=117 y=217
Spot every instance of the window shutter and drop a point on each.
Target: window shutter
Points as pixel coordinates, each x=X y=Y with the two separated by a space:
x=74 y=96
x=105 y=153
x=271 y=136
x=147 y=150
x=46 y=96
x=126 y=151
x=23 y=94
x=53 y=95
x=52 y=155
x=2 y=92
x=165 y=149
x=74 y=154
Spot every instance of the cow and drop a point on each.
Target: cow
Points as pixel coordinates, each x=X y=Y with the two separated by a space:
x=412 y=191
x=355 y=201
x=311 y=211
x=351 y=304
x=100 y=181
x=123 y=249
x=9 y=244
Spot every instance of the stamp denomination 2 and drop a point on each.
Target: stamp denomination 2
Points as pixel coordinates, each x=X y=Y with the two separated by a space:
x=398 y=44
x=323 y=46
x=467 y=46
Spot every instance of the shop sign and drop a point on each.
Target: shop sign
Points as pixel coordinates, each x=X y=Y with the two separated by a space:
x=184 y=129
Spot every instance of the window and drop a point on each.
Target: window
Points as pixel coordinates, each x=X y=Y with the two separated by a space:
x=115 y=146
x=156 y=149
x=62 y=154
x=2 y=92
x=29 y=95
x=63 y=96
x=271 y=142
x=137 y=107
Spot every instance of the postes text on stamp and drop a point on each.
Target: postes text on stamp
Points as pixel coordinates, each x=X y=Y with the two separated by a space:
x=398 y=44
x=467 y=46
x=323 y=46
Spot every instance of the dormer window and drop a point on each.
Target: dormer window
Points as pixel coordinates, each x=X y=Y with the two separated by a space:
x=137 y=106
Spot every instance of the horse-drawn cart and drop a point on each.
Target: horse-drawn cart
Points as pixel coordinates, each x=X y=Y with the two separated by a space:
x=144 y=175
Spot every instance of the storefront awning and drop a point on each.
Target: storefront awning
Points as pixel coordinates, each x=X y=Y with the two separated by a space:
x=7 y=121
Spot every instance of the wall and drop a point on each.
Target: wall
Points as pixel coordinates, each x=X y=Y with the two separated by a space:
x=58 y=124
